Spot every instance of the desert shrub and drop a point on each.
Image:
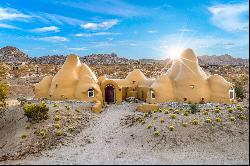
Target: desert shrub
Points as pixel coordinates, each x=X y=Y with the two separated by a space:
x=59 y=133
x=143 y=121
x=24 y=136
x=155 y=117
x=185 y=124
x=208 y=120
x=218 y=119
x=186 y=113
x=166 y=112
x=57 y=118
x=42 y=134
x=231 y=118
x=205 y=112
x=242 y=117
x=4 y=90
x=67 y=107
x=77 y=110
x=173 y=116
x=171 y=128
x=194 y=108
x=55 y=104
x=36 y=111
x=162 y=120
x=195 y=122
x=239 y=108
x=149 y=126
x=230 y=110
x=176 y=112
x=157 y=133
x=57 y=126
x=239 y=90
x=71 y=128
x=22 y=100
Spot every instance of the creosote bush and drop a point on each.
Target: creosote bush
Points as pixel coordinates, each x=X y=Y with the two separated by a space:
x=149 y=126
x=171 y=128
x=218 y=119
x=157 y=133
x=36 y=111
x=173 y=116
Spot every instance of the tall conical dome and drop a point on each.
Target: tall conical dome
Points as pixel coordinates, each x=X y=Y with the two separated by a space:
x=86 y=71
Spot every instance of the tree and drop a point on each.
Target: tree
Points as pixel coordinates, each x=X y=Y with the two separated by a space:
x=3 y=94
x=239 y=90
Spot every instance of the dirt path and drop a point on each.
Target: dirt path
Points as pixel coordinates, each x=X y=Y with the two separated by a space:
x=108 y=142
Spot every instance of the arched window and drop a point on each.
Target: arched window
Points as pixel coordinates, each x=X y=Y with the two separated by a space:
x=91 y=93
x=231 y=93
x=152 y=94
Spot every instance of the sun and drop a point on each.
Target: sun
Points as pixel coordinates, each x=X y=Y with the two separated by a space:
x=174 y=52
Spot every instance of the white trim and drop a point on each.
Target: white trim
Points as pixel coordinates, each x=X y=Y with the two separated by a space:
x=91 y=91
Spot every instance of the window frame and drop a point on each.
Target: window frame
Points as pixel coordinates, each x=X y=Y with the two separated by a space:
x=231 y=90
x=91 y=91
x=152 y=92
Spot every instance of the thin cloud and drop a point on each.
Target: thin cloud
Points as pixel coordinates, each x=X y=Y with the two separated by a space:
x=53 y=39
x=185 y=30
x=230 y=17
x=78 y=49
x=46 y=29
x=7 y=26
x=95 y=34
x=152 y=31
x=100 y=26
x=11 y=14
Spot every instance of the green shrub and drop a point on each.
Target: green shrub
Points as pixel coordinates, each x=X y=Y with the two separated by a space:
x=166 y=112
x=59 y=133
x=55 y=104
x=42 y=134
x=231 y=118
x=57 y=118
x=24 y=136
x=77 y=110
x=217 y=110
x=218 y=119
x=243 y=117
x=171 y=128
x=149 y=126
x=36 y=111
x=176 y=112
x=22 y=100
x=239 y=90
x=239 y=108
x=157 y=133
x=194 y=108
x=71 y=128
x=186 y=113
x=230 y=110
x=162 y=120
x=195 y=122
x=155 y=117
x=4 y=90
x=185 y=124
x=57 y=126
x=173 y=116
x=208 y=120
x=205 y=112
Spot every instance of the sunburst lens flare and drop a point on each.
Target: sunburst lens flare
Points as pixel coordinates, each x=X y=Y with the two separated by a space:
x=174 y=52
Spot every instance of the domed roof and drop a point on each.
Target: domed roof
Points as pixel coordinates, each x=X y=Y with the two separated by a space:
x=136 y=75
x=72 y=60
x=86 y=71
x=188 y=54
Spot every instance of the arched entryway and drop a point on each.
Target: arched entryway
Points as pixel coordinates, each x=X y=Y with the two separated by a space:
x=110 y=94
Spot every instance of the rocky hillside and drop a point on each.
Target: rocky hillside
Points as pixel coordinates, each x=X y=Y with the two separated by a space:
x=222 y=60
x=12 y=54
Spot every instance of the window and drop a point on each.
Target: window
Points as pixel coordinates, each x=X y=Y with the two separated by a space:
x=152 y=92
x=91 y=93
x=231 y=93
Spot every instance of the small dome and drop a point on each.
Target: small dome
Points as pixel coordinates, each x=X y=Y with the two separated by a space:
x=136 y=75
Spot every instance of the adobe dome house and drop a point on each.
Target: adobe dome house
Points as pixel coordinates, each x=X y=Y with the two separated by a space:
x=185 y=81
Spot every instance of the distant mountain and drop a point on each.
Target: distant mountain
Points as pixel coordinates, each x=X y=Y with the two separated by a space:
x=222 y=60
x=14 y=55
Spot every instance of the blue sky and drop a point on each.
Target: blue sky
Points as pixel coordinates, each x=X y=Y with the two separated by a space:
x=131 y=28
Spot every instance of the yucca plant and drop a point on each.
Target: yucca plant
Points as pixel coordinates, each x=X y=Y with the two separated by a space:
x=239 y=108
x=208 y=120
x=217 y=110
x=55 y=104
x=205 y=112
x=230 y=109
x=162 y=120
x=77 y=110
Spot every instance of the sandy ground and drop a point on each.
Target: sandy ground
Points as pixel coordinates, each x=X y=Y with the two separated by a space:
x=108 y=141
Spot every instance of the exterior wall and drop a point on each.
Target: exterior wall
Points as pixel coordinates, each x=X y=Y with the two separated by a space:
x=42 y=88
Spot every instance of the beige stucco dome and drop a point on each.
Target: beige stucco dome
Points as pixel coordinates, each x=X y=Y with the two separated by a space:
x=135 y=76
